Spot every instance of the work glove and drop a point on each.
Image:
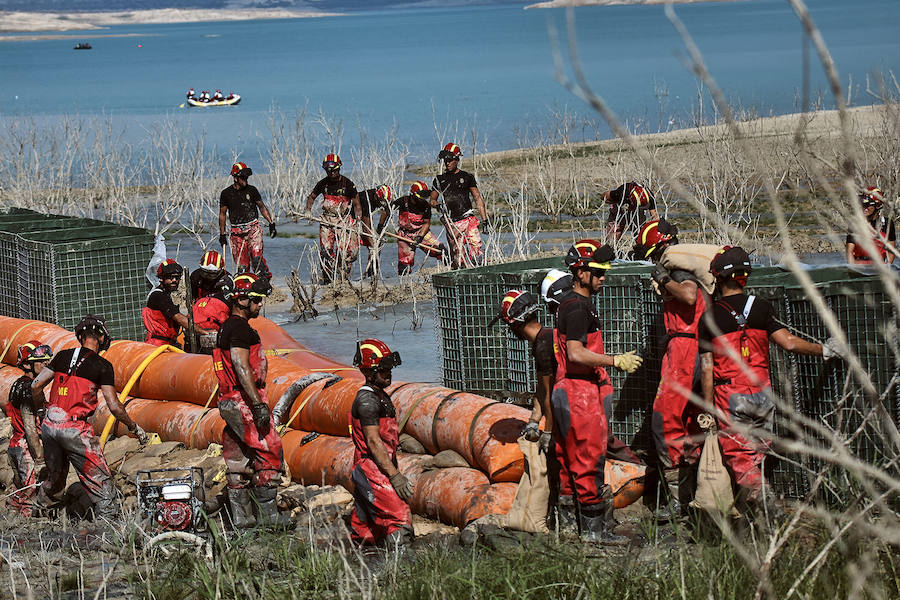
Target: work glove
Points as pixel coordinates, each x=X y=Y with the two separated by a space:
x=831 y=350
x=660 y=275
x=272 y=231
x=545 y=441
x=140 y=434
x=531 y=432
x=223 y=239
x=402 y=485
x=486 y=226
x=628 y=362
x=418 y=240
x=261 y=416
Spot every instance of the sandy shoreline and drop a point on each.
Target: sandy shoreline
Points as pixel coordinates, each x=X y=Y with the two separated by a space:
x=35 y=22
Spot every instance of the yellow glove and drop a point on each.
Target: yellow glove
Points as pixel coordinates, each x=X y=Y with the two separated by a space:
x=628 y=362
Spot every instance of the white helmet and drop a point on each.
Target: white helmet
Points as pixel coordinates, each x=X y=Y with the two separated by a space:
x=556 y=283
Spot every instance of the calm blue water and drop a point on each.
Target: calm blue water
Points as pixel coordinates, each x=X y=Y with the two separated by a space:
x=487 y=68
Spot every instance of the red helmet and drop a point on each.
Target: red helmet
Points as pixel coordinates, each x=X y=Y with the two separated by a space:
x=250 y=285
x=872 y=196
x=375 y=354
x=168 y=268
x=420 y=190
x=384 y=192
x=730 y=261
x=450 y=152
x=332 y=162
x=590 y=254
x=654 y=236
x=240 y=169
x=212 y=262
x=33 y=351
x=516 y=307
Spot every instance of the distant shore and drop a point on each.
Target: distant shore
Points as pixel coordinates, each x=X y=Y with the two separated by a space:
x=564 y=3
x=13 y=22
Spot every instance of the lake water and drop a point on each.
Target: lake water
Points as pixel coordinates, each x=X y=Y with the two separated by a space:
x=487 y=69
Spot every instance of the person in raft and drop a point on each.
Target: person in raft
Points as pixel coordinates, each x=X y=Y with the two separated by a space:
x=381 y=491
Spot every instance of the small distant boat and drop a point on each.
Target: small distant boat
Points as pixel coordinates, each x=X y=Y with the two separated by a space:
x=230 y=101
x=82 y=46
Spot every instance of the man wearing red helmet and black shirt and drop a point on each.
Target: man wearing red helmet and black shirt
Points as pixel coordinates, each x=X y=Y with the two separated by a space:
x=162 y=317
x=676 y=435
x=458 y=187
x=414 y=223
x=338 y=236
x=884 y=235
x=205 y=278
x=734 y=336
x=381 y=491
x=26 y=456
x=629 y=205
x=67 y=436
x=241 y=204
x=249 y=441
x=582 y=389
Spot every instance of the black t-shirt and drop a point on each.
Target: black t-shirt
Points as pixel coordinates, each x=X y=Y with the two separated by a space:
x=576 y=318
x=20 y=394
x=242 y=204
x=542 y=351
x=90 y=366
x=455 y=189
x=370 y=202
x=200 y=284
x=369 y=407
x=620 y=196
x=413 y=205
x=718 y=318
x=236 y=332
x=162 y=301
x=883 y=226
x=341 y=187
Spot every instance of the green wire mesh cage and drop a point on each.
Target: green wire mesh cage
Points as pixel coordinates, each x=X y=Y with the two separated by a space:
x=492 y=362
x=62 y=268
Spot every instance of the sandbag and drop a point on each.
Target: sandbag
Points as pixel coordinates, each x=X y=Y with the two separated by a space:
x=693 y=258
x=529 y=508
x=714 y=494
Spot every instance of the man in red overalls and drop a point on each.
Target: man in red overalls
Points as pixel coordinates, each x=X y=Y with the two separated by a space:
x=250 y=444
x=734 y=336
x=380 y=492
x=162 y=318
x=66 y=434
x=676 y=434
x=458 y=189
x=582 y=388
x=884 y=234
x=26 y=457
x=241 y=203
x=338 y=236
x=414 y=223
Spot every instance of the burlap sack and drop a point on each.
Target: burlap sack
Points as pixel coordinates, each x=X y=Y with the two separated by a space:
x=714 y=494
x=529 y=507
x=693 y=258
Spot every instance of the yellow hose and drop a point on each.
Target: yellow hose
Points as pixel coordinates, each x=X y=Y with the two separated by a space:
x=111 y=421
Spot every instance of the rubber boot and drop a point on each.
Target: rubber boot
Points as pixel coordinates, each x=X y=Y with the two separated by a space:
x=213 y=505
x=687 y=487
x=241 y=505
x=267 y=510
x=669 y=493
x=596 y=524
x=398 y=538
x=564 y=518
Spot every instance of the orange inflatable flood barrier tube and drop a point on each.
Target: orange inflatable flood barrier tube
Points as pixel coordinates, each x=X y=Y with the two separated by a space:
x=456 y=496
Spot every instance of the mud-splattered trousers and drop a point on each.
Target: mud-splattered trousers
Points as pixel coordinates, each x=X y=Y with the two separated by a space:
x=67 y=441
x=339 y=241
x=743 y=399
x=251 y=456
x=24 y=477
x=464 y=240
x=409 y=226
x=246 y=244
